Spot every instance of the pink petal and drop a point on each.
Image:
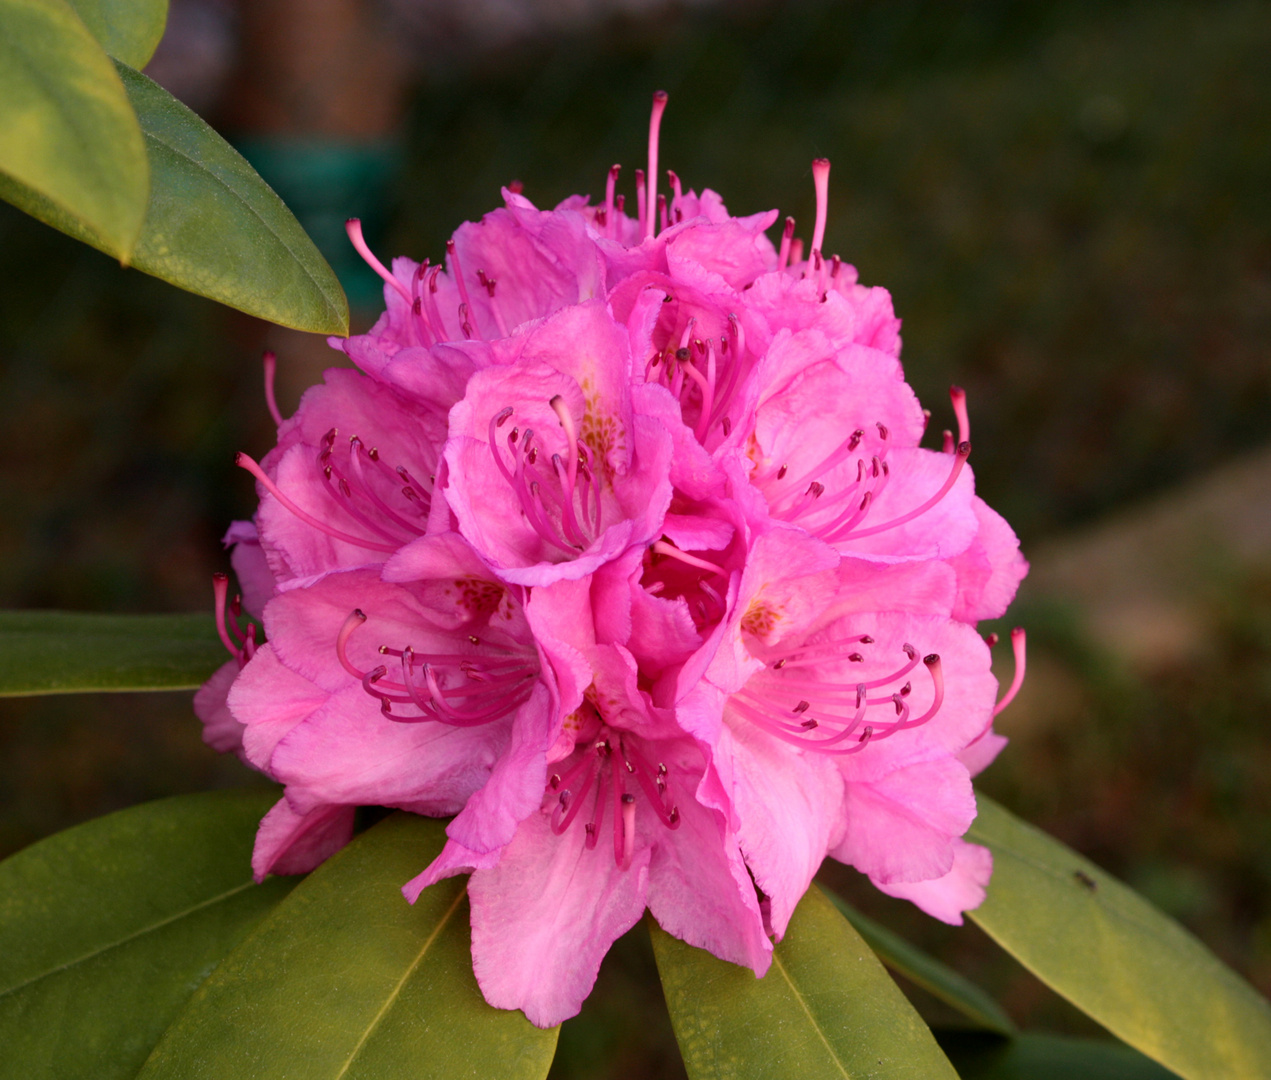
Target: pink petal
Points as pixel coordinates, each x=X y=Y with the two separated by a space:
x=990 y=570
x=961 y=889
x=544 y=917
x=901 y=827
x=291 y=843
x=221 y=731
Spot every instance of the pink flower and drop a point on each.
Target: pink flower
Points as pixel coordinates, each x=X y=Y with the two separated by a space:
x=621 y=549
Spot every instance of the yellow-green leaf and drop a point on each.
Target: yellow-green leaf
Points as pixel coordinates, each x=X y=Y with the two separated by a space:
x=346 y=981
x=1031 y=1056
x=70 y=145
x=128 y=29
x=1117 y=958
x=106 y=929
x=825 y=1009
x=63 y=652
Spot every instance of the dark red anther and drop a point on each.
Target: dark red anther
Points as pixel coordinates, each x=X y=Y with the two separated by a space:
x=855 y=658
x=516 y=187
x=802 y=707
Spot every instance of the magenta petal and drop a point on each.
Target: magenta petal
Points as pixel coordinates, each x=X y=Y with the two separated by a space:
x=990 y=570
x=982 y=752
x=269 y=699
x=454 y=859
x=790 y=805
x=544 y=917
x=347 y=751
x=700 y=892
x=902 y=827
x=515 y=787
x=221 y=731
x=255 y=579
x=961 y=889
x=291 y=843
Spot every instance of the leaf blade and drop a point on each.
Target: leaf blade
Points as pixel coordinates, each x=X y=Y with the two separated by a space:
x=129 y=30
x=1033 y=1056
x=1114 y=956
x=70 y=142
x=106 y=929
x=215 y=228
x=352 y=980
x=925 y=971
x=59 y=652
x=838 y=1011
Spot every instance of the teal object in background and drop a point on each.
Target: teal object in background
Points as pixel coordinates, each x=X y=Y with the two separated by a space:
x=325 y=182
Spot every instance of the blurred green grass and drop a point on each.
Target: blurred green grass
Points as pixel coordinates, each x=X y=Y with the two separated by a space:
x=1069 y=204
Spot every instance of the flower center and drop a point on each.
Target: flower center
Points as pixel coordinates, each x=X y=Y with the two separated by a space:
x=704 y=377
x=791 y=700
x=563 y=506
x=475 y=683
x=611 y=764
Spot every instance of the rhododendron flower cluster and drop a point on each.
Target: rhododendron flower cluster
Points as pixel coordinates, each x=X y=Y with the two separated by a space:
x=620 y=549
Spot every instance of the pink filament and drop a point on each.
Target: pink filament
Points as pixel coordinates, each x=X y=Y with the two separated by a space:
x=354 y=228
x=270 y=364
x=655 y=123
x=964 y=451
x=787 y=235
x=821 y=179
x=958 y=396
x=243 y=461
x=1019 y=647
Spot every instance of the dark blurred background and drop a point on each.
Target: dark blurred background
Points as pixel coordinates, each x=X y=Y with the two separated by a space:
x=1069 y=203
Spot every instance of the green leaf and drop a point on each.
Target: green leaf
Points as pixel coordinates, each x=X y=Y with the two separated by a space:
x=346 y=980
x=128 y=29
x=106 y=929
x=927 y=972
x=1117 y=958
x=826 y=1008
x=71 y=149
x=215 y=228
x=1045 y=1057
x=62 y=652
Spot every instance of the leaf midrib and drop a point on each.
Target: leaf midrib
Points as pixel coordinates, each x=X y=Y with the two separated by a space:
x=141 y=932
x=816 y=1026
x=397 y=989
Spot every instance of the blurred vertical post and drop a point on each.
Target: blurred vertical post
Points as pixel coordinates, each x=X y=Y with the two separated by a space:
x=316 y=105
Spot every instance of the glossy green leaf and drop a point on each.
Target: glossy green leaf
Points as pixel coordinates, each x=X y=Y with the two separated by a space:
x=106 y=929
x=1116 y=957
x=937 y=979
x=1028 y=1056
x=128 y=29
x=346 y=980
x=826 y=1008
x=71 y=150
x=62 y=652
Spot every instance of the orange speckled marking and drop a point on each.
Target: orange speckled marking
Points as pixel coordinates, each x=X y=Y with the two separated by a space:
x=760 y=619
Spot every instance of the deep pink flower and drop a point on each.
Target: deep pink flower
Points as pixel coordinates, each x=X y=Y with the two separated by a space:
x=622 y=548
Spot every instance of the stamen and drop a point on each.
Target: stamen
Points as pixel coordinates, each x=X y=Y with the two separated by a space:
x=1019 y=644
x=655 y=123
x=356 y=618
x=663 y=548
x=571 y=433
x=270 y=363
x=220 y=588
x=787 y=234
x=610 y=183
x=453 y=255
x=821 y=179
x=243 y=461
x=354 y=228
x=958 y=396
x=642 y=206
x=964 y=451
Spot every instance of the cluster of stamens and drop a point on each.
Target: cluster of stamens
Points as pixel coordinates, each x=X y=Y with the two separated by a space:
x=608 y=764
x=352 y=486
x=790 y=700
x=460 y=688
x=838 y=514
x=701 y=375
x=564 y=506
